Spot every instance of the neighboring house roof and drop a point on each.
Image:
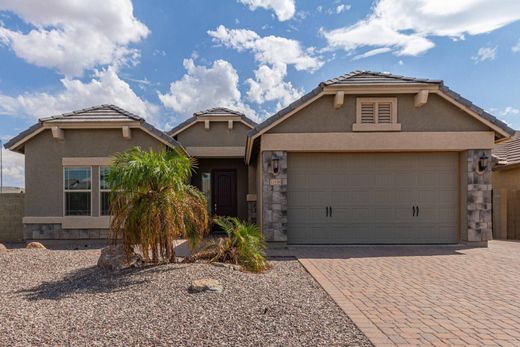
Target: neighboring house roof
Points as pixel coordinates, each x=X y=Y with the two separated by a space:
x=371 y=79
x=105 y=114
x=212 y=112
x=508 y=153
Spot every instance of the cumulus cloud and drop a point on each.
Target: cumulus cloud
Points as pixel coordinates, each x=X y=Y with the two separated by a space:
x=406 y=25
x=104 y=88
x=372 y=52
x=516 y=48
x=274 y=54
x=284 y=9
x=485 y=53
x=71 y=36
x=342 y=8
x=269 y=85
x=268 y=49
x=13 y=166
x=204 y=87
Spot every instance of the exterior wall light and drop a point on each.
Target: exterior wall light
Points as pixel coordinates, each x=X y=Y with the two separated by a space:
x=483 y=162
x=275 y=166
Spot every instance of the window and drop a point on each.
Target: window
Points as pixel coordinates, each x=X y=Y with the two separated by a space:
x=104 y=191
x=77 y=186
x=206 y=188
x=376 y=114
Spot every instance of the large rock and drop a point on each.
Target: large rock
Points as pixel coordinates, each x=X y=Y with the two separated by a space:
x=35 y=245
x=3 y=249
x=113 y=257
x=206 y=284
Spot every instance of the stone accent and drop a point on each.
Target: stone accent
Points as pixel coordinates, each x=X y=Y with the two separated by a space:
x=55 y=232
x=274 y=197
x=479 y=197
x=251 y=211
x=11 y=214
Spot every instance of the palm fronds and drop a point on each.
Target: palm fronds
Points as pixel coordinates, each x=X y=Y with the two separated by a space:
x=152 y=204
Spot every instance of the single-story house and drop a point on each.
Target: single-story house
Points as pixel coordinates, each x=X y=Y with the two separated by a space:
x=364 y=158
x=506 y=189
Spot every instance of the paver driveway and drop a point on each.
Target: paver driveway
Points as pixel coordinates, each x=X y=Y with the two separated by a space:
x=425 y=295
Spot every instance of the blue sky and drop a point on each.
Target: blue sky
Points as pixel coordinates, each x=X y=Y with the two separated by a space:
x=166 y=59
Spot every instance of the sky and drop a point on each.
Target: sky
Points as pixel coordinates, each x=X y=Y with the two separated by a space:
x=165 y=60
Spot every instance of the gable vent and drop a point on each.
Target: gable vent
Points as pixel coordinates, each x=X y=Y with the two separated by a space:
x=384 y=112
x=368 y=113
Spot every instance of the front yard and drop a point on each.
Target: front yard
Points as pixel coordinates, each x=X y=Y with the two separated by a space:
x=61 y=298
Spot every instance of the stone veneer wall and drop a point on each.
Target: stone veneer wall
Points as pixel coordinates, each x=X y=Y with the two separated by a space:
x=251 y=212
x=274 y=197
x=55 y=232
x=479 y=197
x=11 y=214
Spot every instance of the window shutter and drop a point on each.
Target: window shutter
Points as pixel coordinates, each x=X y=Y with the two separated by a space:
x=368 y=113
x=384 y=113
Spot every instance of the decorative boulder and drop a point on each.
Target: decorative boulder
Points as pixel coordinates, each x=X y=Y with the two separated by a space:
x=3 y=249
x=206 y=284
x=114 y=258
x=35 y=245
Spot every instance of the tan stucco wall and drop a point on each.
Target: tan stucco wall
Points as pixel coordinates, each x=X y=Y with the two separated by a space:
x=44 y=167
x=505 y=184
x=437 y=115
x=218 y=134
x=208 y=164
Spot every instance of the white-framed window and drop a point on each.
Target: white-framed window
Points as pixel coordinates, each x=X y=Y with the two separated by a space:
x=104 y=192
x=376 y=114
x=77 y=190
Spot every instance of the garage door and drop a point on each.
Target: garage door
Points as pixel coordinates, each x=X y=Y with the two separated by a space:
x=340 y=198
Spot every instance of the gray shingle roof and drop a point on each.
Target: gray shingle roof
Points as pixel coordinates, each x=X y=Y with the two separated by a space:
x=508 y=152
x=215 y=111
x=96 y=113
x=375 y=78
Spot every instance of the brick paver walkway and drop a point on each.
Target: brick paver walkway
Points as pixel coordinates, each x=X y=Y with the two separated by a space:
x=424 y=295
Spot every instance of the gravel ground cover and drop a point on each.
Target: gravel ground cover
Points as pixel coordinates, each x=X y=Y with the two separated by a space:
x=61 y=298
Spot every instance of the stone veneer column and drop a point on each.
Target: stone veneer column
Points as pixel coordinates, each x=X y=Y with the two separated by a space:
x=479 y=197
x=274 y=197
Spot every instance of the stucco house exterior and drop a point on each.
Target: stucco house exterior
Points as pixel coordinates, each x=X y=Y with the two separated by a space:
x=365 y=158
x=506 y=189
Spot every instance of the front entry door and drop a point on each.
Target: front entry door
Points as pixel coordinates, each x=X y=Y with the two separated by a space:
x=224 y=193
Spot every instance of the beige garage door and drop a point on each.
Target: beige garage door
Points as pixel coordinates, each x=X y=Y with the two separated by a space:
x=340 y=198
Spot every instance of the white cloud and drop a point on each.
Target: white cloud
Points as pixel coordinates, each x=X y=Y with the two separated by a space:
x=268 y=49
x=274 y=54
x=406 y=25
x=516 y=48
x=205 y=87
x=13 y=167
x=372 y=53
x=105 y=88
x=269 y=85
x=71 y=36
x=284 y=9
x=342 y=8
x=485 y=53
x=510 y=111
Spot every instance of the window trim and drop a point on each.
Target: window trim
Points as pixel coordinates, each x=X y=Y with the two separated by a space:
x=393 y=126
x=101 y=190
x=76 y=191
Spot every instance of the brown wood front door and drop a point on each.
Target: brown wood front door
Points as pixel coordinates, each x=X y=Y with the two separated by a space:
x=224 y=193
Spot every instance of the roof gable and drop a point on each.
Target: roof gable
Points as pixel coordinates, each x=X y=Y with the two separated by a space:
x=104 y=115
x=508 y=152
x=374 y=78
x=212 y=112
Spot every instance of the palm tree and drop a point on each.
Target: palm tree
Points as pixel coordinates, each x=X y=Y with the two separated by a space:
x=152 y=204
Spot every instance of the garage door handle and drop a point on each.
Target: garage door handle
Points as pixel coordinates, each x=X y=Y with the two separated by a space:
x=326 y=211
x=413 y=209
x=417 y=210
x=330 y=213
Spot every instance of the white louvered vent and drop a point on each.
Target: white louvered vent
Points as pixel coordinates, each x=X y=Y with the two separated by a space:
x=368 y=113
x=384 y=113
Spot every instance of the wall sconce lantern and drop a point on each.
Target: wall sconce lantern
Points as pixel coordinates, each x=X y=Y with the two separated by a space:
x=275 y=166
x=483 y=162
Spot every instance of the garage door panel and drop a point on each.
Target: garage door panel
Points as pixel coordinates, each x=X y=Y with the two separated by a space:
x=372 y=196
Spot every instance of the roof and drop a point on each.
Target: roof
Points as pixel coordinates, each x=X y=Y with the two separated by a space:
x=377 y=78
x=101 y=113
x=508 y=152
x=211 y=112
